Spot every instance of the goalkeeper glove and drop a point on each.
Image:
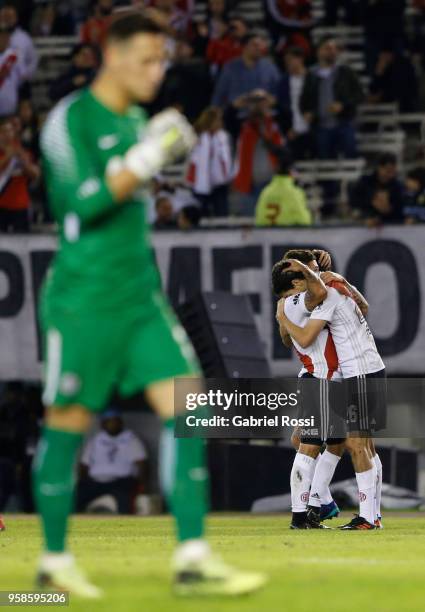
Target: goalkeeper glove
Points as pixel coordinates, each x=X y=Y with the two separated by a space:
x=168 y=137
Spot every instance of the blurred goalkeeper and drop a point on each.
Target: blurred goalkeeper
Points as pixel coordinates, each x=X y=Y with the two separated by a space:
x=105 y=320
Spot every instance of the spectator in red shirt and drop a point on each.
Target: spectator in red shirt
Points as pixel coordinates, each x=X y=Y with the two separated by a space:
x=17 y=170
x=95 y=28
x=258 y=141
x=229 y=45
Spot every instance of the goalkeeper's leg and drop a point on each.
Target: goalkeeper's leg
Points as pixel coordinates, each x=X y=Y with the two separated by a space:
x=184 y=479
x=54 y=484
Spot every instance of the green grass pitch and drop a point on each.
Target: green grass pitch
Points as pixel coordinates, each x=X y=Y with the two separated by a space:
x=329 y=571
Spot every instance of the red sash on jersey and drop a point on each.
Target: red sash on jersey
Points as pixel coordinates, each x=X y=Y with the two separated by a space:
x=6 y=66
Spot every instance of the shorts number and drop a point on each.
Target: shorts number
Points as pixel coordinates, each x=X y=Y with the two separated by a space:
x=272 y=214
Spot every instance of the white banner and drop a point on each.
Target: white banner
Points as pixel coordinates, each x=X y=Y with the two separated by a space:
x=386 y=264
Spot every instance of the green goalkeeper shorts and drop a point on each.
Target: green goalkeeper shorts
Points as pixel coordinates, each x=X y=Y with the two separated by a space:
x=87 y=358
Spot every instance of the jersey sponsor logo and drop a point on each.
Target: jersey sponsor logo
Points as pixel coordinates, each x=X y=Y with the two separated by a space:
x=108 y=141
x=89 y=188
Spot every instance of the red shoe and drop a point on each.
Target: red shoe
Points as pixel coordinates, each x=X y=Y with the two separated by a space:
x=2 y=525
x=378 y=523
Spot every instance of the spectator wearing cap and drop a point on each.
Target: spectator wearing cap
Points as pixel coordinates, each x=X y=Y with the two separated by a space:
x=20 y=40
x=83 y=67
x=378 y=197
x=295 y=127
x=241 y=76
x=414 y=197
x=329 y=100
x=114 y=463
x=282 y=202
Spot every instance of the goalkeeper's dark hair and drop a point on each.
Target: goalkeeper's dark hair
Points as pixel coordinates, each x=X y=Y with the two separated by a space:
x=305 y=256
x=282 y=280
x=128 y=24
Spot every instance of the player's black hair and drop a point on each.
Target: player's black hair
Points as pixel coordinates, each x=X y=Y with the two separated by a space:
x=386 y=159
x=250 y=36
x=417 y=174
x=325 y=39
x=281 y=280
x=6 y=119
x=284 y=160
x=303 y=255
x=9 y=5
x=295 y=52
x=238 y=17
x=192 y=214
x=125 y=26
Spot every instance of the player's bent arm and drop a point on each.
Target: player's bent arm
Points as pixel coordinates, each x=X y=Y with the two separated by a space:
x=168 y=136
x=342 y=285
x=316 y=289
x=280 y=318
x=359 y=298
x=304 y=336
x=285 y=336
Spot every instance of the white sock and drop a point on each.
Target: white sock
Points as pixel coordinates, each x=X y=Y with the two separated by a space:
x=323 y=474
x=366 y=482
x=191 y=551
x=301 y=477
x=378 y=465
x=52 y=561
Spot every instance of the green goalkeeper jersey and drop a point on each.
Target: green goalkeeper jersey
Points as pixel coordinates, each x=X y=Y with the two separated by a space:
x=105 y=260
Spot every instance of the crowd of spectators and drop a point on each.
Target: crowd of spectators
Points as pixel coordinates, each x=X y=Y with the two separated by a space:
x=263 y=97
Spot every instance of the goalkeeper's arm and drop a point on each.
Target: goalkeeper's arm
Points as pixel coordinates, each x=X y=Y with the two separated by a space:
x=168 y=137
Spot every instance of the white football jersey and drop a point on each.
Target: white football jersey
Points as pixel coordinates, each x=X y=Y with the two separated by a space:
x=320 y=358
x=110 y=457
x=354 y=342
